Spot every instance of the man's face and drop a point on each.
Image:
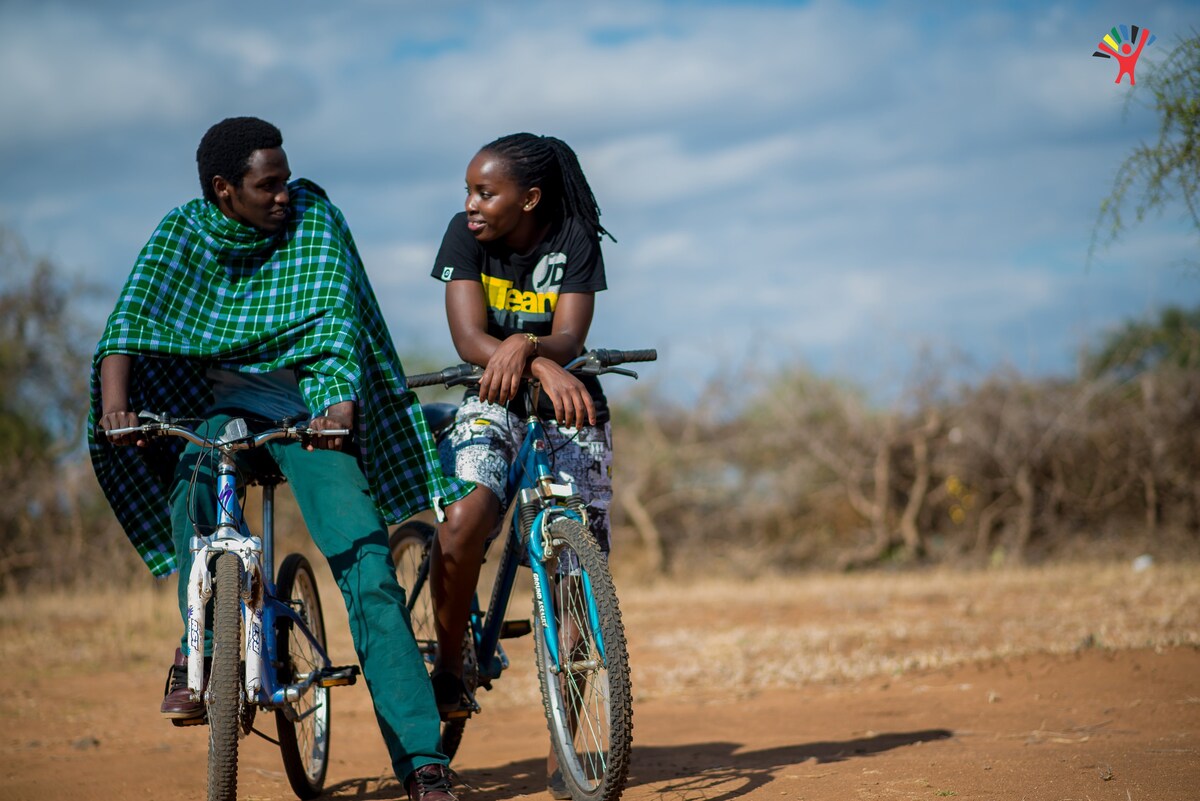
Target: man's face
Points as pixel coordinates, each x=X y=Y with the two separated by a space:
x=262 y=199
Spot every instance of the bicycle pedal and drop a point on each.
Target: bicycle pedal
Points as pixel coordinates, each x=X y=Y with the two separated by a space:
x=340 y=676
x=200 y=721
x=514 y=628
x=462 y=713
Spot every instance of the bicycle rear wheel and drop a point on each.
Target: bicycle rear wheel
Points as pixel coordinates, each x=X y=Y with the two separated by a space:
x=411 y=544
x=303 y=736
x=224 y=697
x=588 y=703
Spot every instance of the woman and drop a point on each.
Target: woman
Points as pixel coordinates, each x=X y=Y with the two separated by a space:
x=521 y=266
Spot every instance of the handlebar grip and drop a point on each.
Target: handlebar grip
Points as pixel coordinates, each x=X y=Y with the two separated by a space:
x=423 y=380
x=117 y=432
x=609 y=358
x=448 y=377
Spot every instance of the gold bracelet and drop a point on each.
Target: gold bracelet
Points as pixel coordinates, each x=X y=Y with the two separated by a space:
x=532 y=338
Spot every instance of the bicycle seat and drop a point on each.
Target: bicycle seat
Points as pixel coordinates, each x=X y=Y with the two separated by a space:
x=259 y=469
x=264 y=473
x=440 y=417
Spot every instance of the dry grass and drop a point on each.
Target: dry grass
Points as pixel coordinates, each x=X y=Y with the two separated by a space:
x=721 y=637
x=45 y=633
x=779 y=632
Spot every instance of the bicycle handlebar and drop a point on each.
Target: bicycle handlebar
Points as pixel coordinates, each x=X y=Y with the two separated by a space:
x=608 y=357
x=592 y=362
x=238 y=439
x=449 y=376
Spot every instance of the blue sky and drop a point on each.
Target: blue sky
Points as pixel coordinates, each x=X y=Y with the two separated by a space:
x=840 y=185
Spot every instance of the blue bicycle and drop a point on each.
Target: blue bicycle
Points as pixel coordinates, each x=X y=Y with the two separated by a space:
x=579 y=640
x=268 y=633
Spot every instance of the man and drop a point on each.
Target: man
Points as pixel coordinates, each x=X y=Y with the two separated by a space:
x=252 y=301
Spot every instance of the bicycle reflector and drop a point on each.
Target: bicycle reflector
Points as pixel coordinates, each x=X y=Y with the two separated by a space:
x=234 y=430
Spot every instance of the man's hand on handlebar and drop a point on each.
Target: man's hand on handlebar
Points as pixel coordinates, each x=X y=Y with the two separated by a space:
x=337 y=416
x=110 y=421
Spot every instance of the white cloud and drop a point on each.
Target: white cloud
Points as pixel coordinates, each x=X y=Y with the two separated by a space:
x=658 y=169
x=827 y=178
x=66 y=74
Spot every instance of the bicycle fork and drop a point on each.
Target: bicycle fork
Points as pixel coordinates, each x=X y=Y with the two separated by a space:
x=535 y=518
x=229 y=537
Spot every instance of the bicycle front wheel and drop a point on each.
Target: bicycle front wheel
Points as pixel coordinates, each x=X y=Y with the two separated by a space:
x=587 y=694
x=411 y=545
x=224 y=697
x=304 y=725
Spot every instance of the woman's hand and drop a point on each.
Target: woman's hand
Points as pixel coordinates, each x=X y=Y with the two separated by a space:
x=505 y=368
x=572 y=403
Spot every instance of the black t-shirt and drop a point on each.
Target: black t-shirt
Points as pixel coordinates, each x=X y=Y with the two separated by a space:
x=522 y=289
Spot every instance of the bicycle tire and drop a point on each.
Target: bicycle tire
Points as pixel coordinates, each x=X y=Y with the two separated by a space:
x=589 y=709
x=224 y=697
x=411 y=544
x=303 y=743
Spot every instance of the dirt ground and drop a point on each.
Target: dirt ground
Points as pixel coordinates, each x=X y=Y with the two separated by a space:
x=1069 y=683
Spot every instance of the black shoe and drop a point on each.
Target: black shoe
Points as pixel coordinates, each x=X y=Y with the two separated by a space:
x=556 y=787
x=431 y=783
x=451 y=695
x=178 y=703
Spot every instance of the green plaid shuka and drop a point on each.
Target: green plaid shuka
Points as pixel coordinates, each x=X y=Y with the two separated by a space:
x=208 y=291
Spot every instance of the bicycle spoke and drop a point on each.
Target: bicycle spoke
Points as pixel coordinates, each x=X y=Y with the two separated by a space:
x=410 y=544
x=304 y=725
x=587 y=692
x=585 y=698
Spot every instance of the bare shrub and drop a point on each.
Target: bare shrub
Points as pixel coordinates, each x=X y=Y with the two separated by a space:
x=807 y=473
x=765 y=473
x=55 y=528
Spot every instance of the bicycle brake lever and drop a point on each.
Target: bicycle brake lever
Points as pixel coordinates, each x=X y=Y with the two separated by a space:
x=118 y=432
x=622 y=371
x=306 y=435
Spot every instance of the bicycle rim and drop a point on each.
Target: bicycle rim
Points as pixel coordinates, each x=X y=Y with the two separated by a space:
x=224 y=696
x=303 y=741
x=410 y=544
x=588 y=704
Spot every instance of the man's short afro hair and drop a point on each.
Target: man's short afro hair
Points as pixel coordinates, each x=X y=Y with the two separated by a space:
x=226 y=148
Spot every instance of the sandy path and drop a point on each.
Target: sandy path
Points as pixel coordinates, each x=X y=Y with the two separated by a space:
x=1094 y=723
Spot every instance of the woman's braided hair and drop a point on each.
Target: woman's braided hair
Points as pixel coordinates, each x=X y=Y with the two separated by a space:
x=552 y=165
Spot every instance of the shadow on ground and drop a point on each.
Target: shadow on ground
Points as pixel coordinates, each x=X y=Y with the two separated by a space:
x=700 y=772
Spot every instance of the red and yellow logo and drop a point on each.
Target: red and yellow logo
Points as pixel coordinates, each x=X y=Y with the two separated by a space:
x=1119 y=44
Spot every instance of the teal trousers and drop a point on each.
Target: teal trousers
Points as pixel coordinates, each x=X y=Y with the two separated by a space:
x=343 y=521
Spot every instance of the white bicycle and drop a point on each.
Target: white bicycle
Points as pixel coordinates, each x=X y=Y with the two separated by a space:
x=268 y=633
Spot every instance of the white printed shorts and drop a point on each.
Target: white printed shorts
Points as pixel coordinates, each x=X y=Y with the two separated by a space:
x=486 y=438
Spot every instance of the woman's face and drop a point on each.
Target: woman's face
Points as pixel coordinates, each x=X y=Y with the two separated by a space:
x=498 y=209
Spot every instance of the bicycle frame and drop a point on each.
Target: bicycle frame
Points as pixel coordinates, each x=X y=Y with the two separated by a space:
x=581 y=654
x=531 y=486
x=260 y=607
x=231 y=703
